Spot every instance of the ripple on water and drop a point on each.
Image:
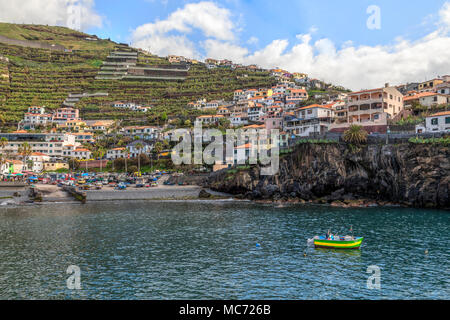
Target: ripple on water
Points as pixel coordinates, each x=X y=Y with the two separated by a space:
x=208 y=250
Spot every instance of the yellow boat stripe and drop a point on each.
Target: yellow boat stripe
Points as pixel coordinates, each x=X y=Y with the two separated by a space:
x=336 y=244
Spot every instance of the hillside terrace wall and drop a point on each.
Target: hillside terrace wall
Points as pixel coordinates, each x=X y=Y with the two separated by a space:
x=31 y=44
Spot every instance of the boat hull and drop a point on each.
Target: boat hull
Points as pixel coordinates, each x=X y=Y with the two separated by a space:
x=336 y=244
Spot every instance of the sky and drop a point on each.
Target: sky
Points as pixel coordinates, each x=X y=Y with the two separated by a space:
x=359 y=44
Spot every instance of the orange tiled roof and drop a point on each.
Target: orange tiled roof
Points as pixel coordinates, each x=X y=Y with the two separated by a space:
x=443 y=113
x=315 y=106
x=255 y=126
x=419 y=95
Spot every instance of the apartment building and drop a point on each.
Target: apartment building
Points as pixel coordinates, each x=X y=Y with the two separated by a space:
x=50 y=144
x=63 y=114
x=430 y=85
x=309 y=120
x=296 y=95
x=36 y=116
x=370 y=109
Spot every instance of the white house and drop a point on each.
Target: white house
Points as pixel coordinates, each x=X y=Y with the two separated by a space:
x=443 y=88
x=81 y=153
x=38 y=160
x=134 y=150
x=438 y=122
x=209 y=119
x=116 y=153
x=239 y=119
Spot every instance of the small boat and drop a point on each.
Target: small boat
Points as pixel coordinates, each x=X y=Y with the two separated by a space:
x=347 y=242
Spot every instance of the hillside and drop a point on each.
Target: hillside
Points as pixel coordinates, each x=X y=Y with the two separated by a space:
x=35 y=76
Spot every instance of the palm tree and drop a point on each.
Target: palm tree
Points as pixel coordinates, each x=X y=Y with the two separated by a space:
x=355 y=135
x=139 y=147
x=25 y=151
x=127 y=154
x=101 y=154
x=2 y=162
x=158 y=148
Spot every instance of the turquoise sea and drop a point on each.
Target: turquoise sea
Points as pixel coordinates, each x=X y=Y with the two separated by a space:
x=220 y=250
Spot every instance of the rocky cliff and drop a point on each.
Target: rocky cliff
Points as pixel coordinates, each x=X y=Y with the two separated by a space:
x=409 y=174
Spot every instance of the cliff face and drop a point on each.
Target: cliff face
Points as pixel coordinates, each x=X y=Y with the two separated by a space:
x=409 y=174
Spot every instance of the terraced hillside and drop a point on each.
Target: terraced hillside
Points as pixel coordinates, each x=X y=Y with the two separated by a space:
x=36 y=76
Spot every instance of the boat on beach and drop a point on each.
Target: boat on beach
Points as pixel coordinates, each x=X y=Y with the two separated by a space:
x=338 y=242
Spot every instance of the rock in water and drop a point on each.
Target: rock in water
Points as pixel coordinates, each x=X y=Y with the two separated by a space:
x=204 y=194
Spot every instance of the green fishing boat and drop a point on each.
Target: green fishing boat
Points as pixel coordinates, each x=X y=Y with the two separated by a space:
x=338 y=242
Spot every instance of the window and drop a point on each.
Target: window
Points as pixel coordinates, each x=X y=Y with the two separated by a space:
x=434 y=121
x=447 y=120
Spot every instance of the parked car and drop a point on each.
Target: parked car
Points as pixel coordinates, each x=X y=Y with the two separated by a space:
x=121 y=186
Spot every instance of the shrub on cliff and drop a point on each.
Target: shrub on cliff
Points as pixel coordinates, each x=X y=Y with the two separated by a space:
x=355 y=135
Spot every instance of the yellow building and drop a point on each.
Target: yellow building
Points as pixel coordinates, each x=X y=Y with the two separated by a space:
x=298 y=75
x=430 y=85
x=53 y=166
x=73 y=125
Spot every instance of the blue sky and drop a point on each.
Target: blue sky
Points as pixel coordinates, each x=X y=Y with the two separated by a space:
x=327 y=39
x=339 y=21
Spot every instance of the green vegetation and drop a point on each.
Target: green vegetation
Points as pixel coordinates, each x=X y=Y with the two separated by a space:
x=317 y=141
x=355 y=135
x=445 y=141
x=43 y=77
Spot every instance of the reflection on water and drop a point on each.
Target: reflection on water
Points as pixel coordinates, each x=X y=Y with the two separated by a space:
x=207 y=250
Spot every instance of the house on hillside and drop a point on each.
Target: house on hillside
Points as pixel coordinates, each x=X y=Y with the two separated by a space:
x=438 y=122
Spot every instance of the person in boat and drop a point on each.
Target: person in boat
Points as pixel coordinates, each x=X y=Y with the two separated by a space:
x=328 y=235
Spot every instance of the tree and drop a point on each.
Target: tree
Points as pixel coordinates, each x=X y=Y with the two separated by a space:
x=2 y=162
x=132 y=169
x=127 y=154
x=25 y=151
x=355 y=135
x=158 y=148
x=164 y=117
x=3 y=143
x=139 y=147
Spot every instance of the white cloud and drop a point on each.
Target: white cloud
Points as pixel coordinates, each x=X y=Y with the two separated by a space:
x=253 y=40
x=224 y=50
x=444 y=14
x=51 y=12
x=212 y=20
x=164 y=45
x=355 y=67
